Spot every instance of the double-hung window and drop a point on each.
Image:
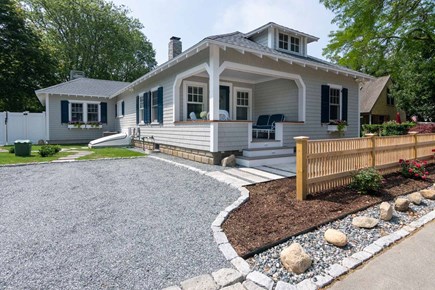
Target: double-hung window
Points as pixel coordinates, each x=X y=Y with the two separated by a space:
x=93 y=113
x=289 y=43
x=154 y=106
x=390 y=98
x=141 y=108
x=294 y=44
x=195 y=100
x=243 y=104
x=283 y=41
x=334 y=104
x=77 y=112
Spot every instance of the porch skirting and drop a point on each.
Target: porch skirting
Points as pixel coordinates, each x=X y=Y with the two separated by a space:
x=201 y=156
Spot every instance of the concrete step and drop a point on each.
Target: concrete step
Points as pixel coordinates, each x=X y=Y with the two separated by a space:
x=268 y=151
x=265 y=160
x=236 y=172
x=264 y=144
x=261 y=173
x=277 y=171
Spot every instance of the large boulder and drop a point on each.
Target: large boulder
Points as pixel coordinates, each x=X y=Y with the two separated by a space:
x=401 y=204
x=229 y=161
x=336 y=237
x=365 y=222
x=428 y=193
x=415 y=198
x=294 y=259
x=386 y=211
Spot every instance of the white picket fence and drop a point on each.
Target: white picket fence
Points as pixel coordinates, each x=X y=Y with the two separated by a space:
x=23 y=125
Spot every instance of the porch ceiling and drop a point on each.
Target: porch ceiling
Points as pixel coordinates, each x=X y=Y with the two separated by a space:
x=239 y=76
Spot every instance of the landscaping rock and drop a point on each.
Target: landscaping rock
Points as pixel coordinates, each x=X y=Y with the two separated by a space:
x=237 y=286
x=295 y=259
x=249 y=285
x=415 y=198
x=229 y=161
x=336 y=237
x=401 y=204
x=203 y=282
x=365 y=222
x=428 y=194
x=386 y=211
x=260 y=279
x=227 y=276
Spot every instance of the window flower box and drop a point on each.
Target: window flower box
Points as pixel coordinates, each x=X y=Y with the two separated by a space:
x=94 y=126
x=76 y=125
x=337 y=126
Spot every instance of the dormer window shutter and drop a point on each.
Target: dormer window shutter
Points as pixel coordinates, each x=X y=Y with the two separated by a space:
x=324 y=111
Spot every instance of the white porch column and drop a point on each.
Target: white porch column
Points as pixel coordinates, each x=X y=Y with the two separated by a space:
x=214 y=82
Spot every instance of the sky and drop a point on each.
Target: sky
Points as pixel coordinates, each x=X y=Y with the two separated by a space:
x=193 y=20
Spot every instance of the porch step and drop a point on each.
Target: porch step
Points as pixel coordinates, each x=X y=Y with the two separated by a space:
x=265 y=160
x=278 y=171
x=268 y=151
x=264 y=144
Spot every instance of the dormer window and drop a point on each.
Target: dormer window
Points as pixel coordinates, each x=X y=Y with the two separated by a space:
x=289 y=43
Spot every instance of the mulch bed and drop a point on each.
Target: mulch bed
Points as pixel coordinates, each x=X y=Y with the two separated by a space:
x=273 y=214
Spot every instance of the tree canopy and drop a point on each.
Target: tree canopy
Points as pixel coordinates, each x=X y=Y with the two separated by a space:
x=93 y=36
x=394 y=37
x=25 y=64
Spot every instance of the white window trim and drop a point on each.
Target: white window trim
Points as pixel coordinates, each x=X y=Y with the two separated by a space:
x=247 y=90
x=204 y=87
x=85 y=109
x=340 y=88
x=119 y=109
x=141 y=115
x=302 y=46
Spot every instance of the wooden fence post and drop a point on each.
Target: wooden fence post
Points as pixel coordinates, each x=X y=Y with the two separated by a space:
x=301 y=167
x=413 y=133
x=373 y=152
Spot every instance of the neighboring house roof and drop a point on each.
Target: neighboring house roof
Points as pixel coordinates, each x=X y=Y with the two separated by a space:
x=309 y=37
x=240 y=41
x=83 y=87
x=370 y=92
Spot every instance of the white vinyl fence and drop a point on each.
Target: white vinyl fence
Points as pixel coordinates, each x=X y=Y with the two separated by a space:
x=25 y=125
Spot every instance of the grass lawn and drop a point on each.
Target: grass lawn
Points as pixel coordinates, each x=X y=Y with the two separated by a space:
x=108 y=152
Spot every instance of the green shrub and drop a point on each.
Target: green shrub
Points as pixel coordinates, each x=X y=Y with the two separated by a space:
x=414 y=168
x=390 y=128
x=49 y=150
x=366 y=180
x=12 y=149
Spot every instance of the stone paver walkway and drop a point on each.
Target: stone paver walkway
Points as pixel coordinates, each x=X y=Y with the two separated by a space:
x=77 y=154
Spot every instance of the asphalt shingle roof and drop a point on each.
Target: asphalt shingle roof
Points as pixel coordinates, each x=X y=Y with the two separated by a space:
x=370 y=93
x=85 y=87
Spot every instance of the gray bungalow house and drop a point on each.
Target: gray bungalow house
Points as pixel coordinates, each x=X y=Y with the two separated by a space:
x=245 y=75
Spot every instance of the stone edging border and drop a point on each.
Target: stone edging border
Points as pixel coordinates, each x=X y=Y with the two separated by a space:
x=319 y=281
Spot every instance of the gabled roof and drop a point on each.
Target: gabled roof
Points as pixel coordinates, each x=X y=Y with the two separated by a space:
x=241 y=42
x=310 y=38
x=370 y=93
x=83 y=87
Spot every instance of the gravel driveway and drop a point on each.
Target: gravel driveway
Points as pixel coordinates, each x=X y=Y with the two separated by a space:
x=129 y=224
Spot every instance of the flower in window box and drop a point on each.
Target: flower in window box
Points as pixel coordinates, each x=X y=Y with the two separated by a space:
x=94 y=124
x=337 y=125
x=76 y=124
x=203 y=115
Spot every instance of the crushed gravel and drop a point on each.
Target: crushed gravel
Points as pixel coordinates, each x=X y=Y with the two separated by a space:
x=124 y=224
x=325 y=254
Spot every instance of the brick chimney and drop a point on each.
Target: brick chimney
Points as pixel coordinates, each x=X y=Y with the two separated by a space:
x=174 y=47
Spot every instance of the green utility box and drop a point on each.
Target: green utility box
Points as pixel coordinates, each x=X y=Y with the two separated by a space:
x=23 y=148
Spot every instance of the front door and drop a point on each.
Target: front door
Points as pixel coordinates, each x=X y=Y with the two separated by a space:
x=224 y=98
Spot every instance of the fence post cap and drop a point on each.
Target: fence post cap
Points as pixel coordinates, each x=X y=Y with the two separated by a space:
x=301 y=138
x=369 y=134
x=412 y=132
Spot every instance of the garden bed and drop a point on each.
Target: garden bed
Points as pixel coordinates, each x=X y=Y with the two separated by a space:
x=272 y=215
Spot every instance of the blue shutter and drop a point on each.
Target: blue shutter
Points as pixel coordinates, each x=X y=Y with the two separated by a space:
x=160 y=105
x=147 y=108
x=64 y=112
x=103 y=113
x=122 y=108
x=116 y=110
x=137 y=109
x=325 y=104
x=344 y=105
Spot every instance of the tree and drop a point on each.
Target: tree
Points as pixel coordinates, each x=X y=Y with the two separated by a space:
x=25 y=65
x=393 y=37
x=93 y=36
